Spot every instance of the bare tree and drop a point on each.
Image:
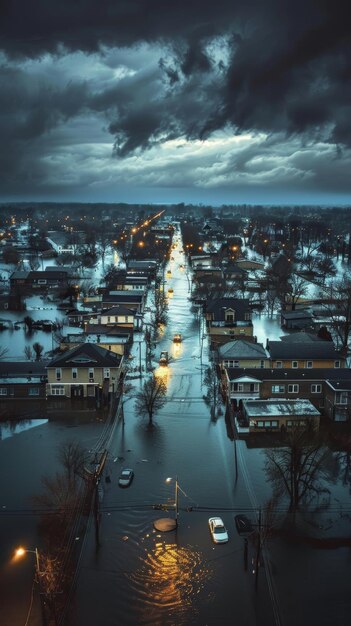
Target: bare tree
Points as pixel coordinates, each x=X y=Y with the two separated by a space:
x=297 y=287
x=336 y=295
x=160 y=308
x=3 y=352
x=297 y=469
x=38 y=350
x=73 y=457
x=28 y=353
x=211 y=397
x=151 y=397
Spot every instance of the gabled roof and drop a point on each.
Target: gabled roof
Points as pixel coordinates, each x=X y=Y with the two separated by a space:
x=86 y=355
x=309 y=350
x=242 y=349
x=218 y=307
x=117 y=310
x=302 y=337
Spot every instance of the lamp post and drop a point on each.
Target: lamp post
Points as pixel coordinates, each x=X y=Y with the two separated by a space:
x=20 y=552
x=165 y=524
x=176 y=496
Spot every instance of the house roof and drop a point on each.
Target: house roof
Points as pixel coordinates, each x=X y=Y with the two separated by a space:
x=136 y=299
x=301 y=337
x=270 y=408
x=25 y=369
x=117 y=310
x=296 y=315
x=343 y=375
x=242 y=349
x=86 y=355
x=218 y=307
x=309 y=350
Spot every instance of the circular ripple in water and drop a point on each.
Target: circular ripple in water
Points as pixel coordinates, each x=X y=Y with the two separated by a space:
x=169 y=580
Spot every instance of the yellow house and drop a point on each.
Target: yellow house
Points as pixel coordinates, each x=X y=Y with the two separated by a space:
x=85 y=371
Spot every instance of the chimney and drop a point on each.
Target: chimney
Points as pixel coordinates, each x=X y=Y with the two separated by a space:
x=267 y=344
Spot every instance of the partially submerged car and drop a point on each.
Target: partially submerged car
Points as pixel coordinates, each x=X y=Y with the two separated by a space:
x=125 y=478
x=218 y=530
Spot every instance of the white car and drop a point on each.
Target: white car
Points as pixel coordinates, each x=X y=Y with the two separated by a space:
x=218 y=530
x=125 y=477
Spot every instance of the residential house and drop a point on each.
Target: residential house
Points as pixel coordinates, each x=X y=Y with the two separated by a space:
x=288 y=384
x=242 y=354
x=22 y=380
x=338 y=400
x=227 y=318
x=113 y=316
x=65 y=242
x=296 y=320
x=314 y=354
x=36 y=280
x=87 y=371
x=273 y=416
x=115 y=342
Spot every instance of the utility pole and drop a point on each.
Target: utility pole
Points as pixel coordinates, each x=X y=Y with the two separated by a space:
x=257 y=562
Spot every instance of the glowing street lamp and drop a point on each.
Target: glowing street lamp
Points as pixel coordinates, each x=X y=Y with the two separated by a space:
x=168 y=480
x=22 y=551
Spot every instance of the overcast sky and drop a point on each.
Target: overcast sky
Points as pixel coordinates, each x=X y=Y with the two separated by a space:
x=211 y=101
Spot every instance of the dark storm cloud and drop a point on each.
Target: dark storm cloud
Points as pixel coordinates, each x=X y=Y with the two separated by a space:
x=280 y=67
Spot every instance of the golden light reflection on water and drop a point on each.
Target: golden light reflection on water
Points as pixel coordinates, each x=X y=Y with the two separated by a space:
x=171 y=576
x=176 y=350
x=164 y=373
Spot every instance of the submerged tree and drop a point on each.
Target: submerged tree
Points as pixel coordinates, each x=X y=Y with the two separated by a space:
x=151 y=397
x=211 y=382
x=160 y=308
x=297 y=469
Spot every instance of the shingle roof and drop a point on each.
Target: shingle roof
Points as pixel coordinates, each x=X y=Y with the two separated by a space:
x=242 y=349
x=309 y=350
x=301 y=337
x=218 y=306
x=86 y=355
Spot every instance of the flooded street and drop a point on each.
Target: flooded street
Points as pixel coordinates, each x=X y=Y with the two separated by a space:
x=139 y=576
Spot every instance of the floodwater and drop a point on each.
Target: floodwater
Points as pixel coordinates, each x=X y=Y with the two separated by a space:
x=139 y=576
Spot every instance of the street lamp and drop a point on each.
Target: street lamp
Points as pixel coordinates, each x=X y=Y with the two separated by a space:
x=176 y=494
x=21 y=551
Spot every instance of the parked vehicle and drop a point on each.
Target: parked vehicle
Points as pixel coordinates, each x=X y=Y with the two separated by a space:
x=218 y=530
x=243 y=525
x=125 y=478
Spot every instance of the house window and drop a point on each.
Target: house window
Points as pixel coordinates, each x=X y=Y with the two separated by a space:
x=126 y=318
x=336 y=363
x=316 y=388
x=260 y=424
x=262 y=364
x=58 y=390
x=229 y=317
x=279 y=364
x=309 y=364
x=254 y=387
x=3 y=391
x=91 y=373
x=247 y=317
x=58 y=373
x=106 y=372
x=242 y=331
x=33 y=391
x=108 y=319
x=295 y=364
x=343 y=397
x=240 y=387
x=293 y=388
x=91 y=390
x=236 y=364
x=74 y=372
x=278 y=388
